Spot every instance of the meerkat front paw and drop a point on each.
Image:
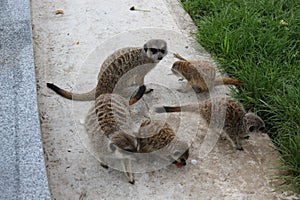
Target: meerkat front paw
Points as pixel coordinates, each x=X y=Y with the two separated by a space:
x=182 y=90
x=240 y=148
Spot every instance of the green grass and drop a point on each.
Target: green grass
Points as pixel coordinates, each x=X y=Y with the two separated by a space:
x=258 y=42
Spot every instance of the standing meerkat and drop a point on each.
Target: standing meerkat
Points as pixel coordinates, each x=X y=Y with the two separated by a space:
x=135 y=61
x=108 y=126
x=201 y=75
x=237 y=123
x=109 y=129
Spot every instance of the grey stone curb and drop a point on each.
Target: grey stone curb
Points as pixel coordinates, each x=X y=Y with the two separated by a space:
x=22 y=167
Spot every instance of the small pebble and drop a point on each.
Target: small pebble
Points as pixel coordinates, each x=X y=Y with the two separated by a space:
x=59 y=12
x=194 y=162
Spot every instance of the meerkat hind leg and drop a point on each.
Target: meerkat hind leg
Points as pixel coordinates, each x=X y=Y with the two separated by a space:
x=236 y=143
x=127 y=170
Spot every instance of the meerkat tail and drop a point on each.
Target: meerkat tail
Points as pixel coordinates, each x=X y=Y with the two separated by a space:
x=176 y=55
x=185 y=108
x=88 y=96
x=168 y=109
x=228 y=81
x=138 y=95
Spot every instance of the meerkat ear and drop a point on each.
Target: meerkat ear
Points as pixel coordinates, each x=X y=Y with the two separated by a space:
x=145 y=47
x=112 y=147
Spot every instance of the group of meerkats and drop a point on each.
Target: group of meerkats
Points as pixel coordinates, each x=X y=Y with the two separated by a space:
x=108 y=122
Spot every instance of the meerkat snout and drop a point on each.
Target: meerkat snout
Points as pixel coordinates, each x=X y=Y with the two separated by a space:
x=253 y=123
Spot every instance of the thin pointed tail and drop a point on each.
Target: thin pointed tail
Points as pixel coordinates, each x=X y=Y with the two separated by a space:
x=89 y=96
x=168 y=109
x=228 y=81
x=185 y=108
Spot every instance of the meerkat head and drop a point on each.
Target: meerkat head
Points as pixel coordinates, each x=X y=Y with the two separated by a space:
x=253 y=123
x=179 y=152
x=155 y=49
x=181 y=157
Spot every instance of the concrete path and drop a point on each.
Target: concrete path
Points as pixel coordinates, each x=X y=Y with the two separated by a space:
x=22 y=165
x=69 y=49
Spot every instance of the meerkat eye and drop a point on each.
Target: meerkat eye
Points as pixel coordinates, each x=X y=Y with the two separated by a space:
x=251 y=128
x=162 y=51
x=153 y=50
x=262 y=129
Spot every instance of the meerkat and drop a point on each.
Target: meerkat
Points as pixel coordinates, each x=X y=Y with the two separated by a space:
x=156 y=135
x=109 y=128
x=201 y=75
x=238 y=123
x=133 y=60
x=108 y=125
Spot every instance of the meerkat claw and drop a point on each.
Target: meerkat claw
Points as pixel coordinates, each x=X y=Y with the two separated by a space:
x=149 y=91
x=181 y=90
x=104 y=166
x=240 y=148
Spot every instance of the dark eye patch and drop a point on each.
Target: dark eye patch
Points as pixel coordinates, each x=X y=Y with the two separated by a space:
x=251 y=128
x=162 y=51
x=154 y=50
x=262 y=129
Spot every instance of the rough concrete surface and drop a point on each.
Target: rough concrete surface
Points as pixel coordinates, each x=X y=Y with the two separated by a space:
x=22 y=165
x=69 y=49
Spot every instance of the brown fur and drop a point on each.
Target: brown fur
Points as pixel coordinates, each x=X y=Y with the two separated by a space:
x=236 y=122
x=113 y=118
x=139 y=61
x=156 y=135
x=109 y=128
x=201 y=75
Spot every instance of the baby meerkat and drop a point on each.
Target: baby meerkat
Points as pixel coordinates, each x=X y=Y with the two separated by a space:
x=201 y=75
x=139 y=61
x=237 y=123
x=109 y=129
